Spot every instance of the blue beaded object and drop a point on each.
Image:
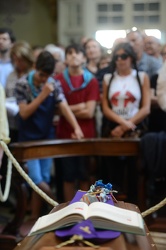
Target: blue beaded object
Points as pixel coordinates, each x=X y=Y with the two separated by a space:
x=99 y=192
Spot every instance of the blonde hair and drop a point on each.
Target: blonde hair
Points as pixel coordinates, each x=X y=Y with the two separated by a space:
x=22 y=49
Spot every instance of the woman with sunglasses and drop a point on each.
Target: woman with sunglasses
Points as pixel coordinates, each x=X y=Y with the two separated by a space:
x=125 y=104
x=126 y=93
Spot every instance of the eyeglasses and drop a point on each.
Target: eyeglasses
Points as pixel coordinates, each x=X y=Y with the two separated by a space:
x=122 y=56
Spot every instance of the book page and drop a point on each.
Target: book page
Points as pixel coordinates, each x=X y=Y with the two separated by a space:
x=113 y=213
x=79 y=208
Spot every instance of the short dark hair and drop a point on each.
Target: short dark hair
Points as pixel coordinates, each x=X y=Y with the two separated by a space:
x=77 y=47
x=10 y=32
x=45 y=62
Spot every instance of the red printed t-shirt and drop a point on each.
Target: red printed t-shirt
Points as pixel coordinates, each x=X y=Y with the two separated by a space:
x=89 y=93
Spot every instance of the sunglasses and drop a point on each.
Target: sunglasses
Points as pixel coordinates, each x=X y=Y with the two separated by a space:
x=122 y=56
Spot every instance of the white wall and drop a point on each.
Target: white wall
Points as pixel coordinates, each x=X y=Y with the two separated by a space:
x=89 y=25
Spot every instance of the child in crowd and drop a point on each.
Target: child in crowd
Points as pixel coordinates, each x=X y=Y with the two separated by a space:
x=37 y=94
x=82 y=93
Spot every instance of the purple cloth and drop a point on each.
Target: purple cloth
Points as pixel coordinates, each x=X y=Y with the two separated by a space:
x=86 y=228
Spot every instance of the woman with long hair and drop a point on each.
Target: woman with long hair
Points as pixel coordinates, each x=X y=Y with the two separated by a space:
x=125 y=104
x=126 y=92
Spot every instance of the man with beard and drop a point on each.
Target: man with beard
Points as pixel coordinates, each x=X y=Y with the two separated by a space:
x=7 y=39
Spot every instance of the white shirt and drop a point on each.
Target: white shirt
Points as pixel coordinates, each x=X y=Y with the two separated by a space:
x=5 y=69
x=125 y=94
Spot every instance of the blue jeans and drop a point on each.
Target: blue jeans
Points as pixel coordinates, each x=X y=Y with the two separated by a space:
x=39 y=170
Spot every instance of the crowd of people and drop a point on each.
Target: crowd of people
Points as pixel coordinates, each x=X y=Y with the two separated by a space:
x=81 y=91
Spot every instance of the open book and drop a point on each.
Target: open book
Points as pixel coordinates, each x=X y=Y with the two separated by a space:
x=102 y=215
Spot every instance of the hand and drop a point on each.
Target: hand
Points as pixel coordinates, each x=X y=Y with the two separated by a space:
x=78 y=134
x=128 y=125
x=47 y=89
x=117 y=131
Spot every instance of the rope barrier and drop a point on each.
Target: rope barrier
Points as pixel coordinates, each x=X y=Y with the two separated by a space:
x=46 y=197
x=154 y=208
x=26 y=177
x=3 y=197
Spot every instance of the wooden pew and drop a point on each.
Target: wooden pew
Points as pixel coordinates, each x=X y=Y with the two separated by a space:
x=62 y=148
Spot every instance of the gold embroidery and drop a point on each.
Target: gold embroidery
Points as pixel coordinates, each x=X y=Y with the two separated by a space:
x=86 y=229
